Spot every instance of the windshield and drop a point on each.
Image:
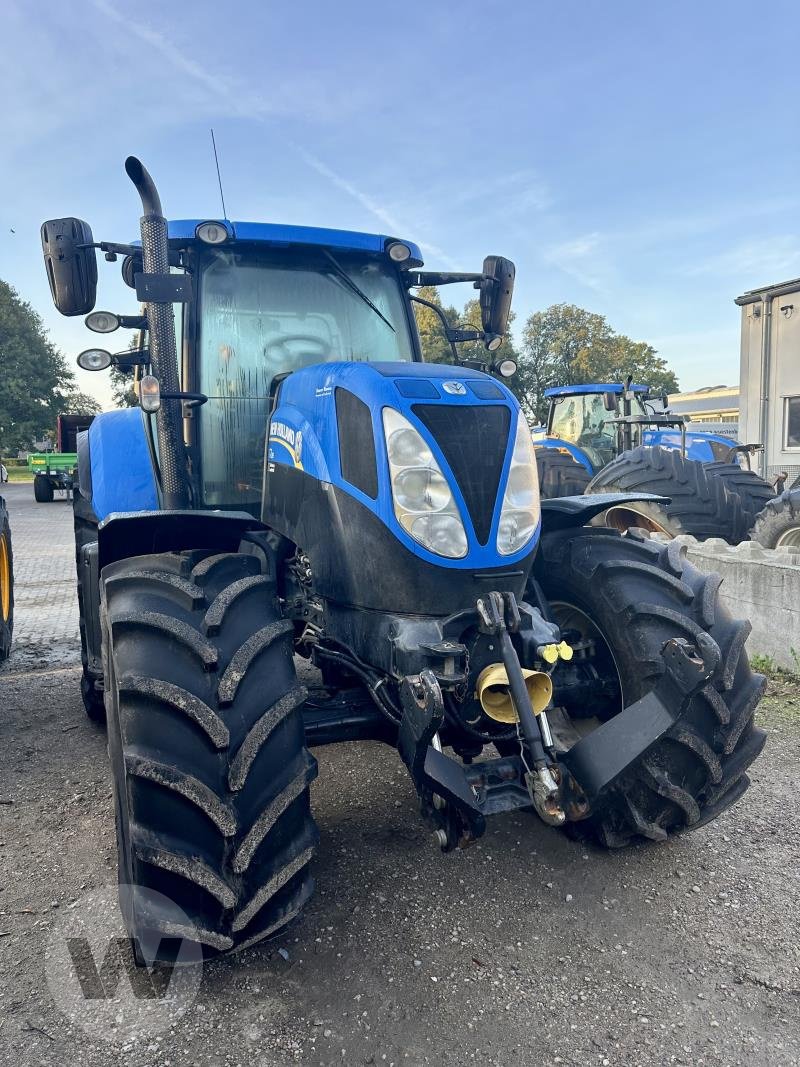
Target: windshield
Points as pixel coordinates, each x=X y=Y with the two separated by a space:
x=269 y=312
x=583 y=420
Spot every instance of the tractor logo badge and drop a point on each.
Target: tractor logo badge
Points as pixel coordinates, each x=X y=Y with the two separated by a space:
x=456 y=388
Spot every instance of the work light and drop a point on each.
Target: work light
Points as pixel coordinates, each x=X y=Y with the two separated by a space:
x=211 y=233
x=94 y=359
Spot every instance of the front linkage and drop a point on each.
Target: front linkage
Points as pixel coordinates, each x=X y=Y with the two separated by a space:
x=455 y=798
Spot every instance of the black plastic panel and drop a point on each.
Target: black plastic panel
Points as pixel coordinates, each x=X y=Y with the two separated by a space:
x=474 y=442
x=356 y=443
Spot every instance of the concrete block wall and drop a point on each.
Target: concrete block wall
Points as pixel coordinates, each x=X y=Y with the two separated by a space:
x=759 y=584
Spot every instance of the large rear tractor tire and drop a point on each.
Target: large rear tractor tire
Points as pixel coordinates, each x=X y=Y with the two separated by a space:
x=205 y=726
x=560 y=474
x=753 y=492
x=42 y=489
x=625 y=596
x=85 y=525
x=700 y=504
x=6 y=584
x=778 y=524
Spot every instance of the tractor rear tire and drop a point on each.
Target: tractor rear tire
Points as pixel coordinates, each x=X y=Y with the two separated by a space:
x=753 y=492
x=700 y=505
x=85 y=526
x=6 y=584
x=778 y=525
x=632 y=595
x=211 y=772
x=560 y=474
x=42 y=489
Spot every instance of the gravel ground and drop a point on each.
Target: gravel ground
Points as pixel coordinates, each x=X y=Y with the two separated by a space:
x=526 y=948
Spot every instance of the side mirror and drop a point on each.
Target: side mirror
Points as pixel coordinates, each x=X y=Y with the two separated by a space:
x=610 y=401
x=497 y=288
x=71 y=265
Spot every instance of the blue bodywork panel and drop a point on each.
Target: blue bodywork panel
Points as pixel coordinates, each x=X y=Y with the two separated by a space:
x=303 y=434
x=577 y=454
x=121 y=465
x=698 y=445
x=280 y=236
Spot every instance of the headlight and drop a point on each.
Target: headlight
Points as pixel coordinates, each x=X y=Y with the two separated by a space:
x=519 y=515
x=423 y=502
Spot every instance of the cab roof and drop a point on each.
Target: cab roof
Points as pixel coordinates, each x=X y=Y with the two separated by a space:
x=280 y=236
x=582 y=390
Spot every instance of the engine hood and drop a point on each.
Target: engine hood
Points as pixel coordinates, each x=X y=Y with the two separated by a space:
x=328 y=424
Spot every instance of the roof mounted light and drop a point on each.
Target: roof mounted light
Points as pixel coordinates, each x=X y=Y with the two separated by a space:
x=102 y=322
x=211 y=233
x=493 y=341
x=94 y=359
x=398 y=252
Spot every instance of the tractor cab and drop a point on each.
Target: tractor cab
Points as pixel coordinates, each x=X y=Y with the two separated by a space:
x=253 y=304
x=603 y=420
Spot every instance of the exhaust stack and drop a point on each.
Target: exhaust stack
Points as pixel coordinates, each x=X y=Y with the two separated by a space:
x=163 y=352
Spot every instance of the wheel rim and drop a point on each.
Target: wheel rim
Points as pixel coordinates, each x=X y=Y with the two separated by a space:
x=789 y=538
x=5 y=579
x=623 y=518
x=570 y=617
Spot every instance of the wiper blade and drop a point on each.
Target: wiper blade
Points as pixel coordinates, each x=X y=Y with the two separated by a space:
x=343 y=276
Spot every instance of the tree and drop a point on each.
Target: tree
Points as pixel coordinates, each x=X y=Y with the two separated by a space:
x=123 y=387
x=36 y=385
x=567 y=345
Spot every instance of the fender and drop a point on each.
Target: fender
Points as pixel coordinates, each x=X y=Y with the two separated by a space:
x=564 y=512
x=543 y=441
x=122 y=535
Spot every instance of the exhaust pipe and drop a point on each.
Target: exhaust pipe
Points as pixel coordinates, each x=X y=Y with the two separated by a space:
x=163 y=352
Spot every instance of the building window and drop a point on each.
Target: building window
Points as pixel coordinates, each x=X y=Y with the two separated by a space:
x=791 y=433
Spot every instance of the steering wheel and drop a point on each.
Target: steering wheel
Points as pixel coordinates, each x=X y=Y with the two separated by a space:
x=283 y=352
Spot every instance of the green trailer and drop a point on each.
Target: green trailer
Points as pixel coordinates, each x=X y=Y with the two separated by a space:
x=55 y=471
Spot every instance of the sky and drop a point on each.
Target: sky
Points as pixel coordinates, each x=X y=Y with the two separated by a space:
x=640 y=160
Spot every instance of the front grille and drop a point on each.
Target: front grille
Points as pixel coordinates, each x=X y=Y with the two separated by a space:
x=474 y=441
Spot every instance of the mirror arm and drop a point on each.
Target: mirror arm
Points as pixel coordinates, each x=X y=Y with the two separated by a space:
x=413 y=278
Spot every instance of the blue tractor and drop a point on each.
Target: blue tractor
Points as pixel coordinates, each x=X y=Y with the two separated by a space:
x=620 y=438
x=298 y=485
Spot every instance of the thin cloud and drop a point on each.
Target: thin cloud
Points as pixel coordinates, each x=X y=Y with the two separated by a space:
x=246 y=105
x=579 y=259
x=393 y=225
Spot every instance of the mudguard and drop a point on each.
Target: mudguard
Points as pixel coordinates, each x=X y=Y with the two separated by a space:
x=115 y=464
x=563 y=512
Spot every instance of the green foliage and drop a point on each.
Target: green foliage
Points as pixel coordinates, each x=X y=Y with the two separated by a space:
x=435 y=346
x=123 y=387
x=36 y=384
x=567 y=345
x=764 y=663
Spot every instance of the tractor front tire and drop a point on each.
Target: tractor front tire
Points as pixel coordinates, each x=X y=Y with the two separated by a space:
x=560 y=474
x=752 y=490
x=6 y=584
x=42 y=489
x=211 y=773
x=778 y=524
x=630 y=595
x=700 y=504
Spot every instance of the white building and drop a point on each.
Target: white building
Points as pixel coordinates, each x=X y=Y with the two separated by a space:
x=769 y=376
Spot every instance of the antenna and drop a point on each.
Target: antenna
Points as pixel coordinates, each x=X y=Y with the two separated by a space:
x=219 y=176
